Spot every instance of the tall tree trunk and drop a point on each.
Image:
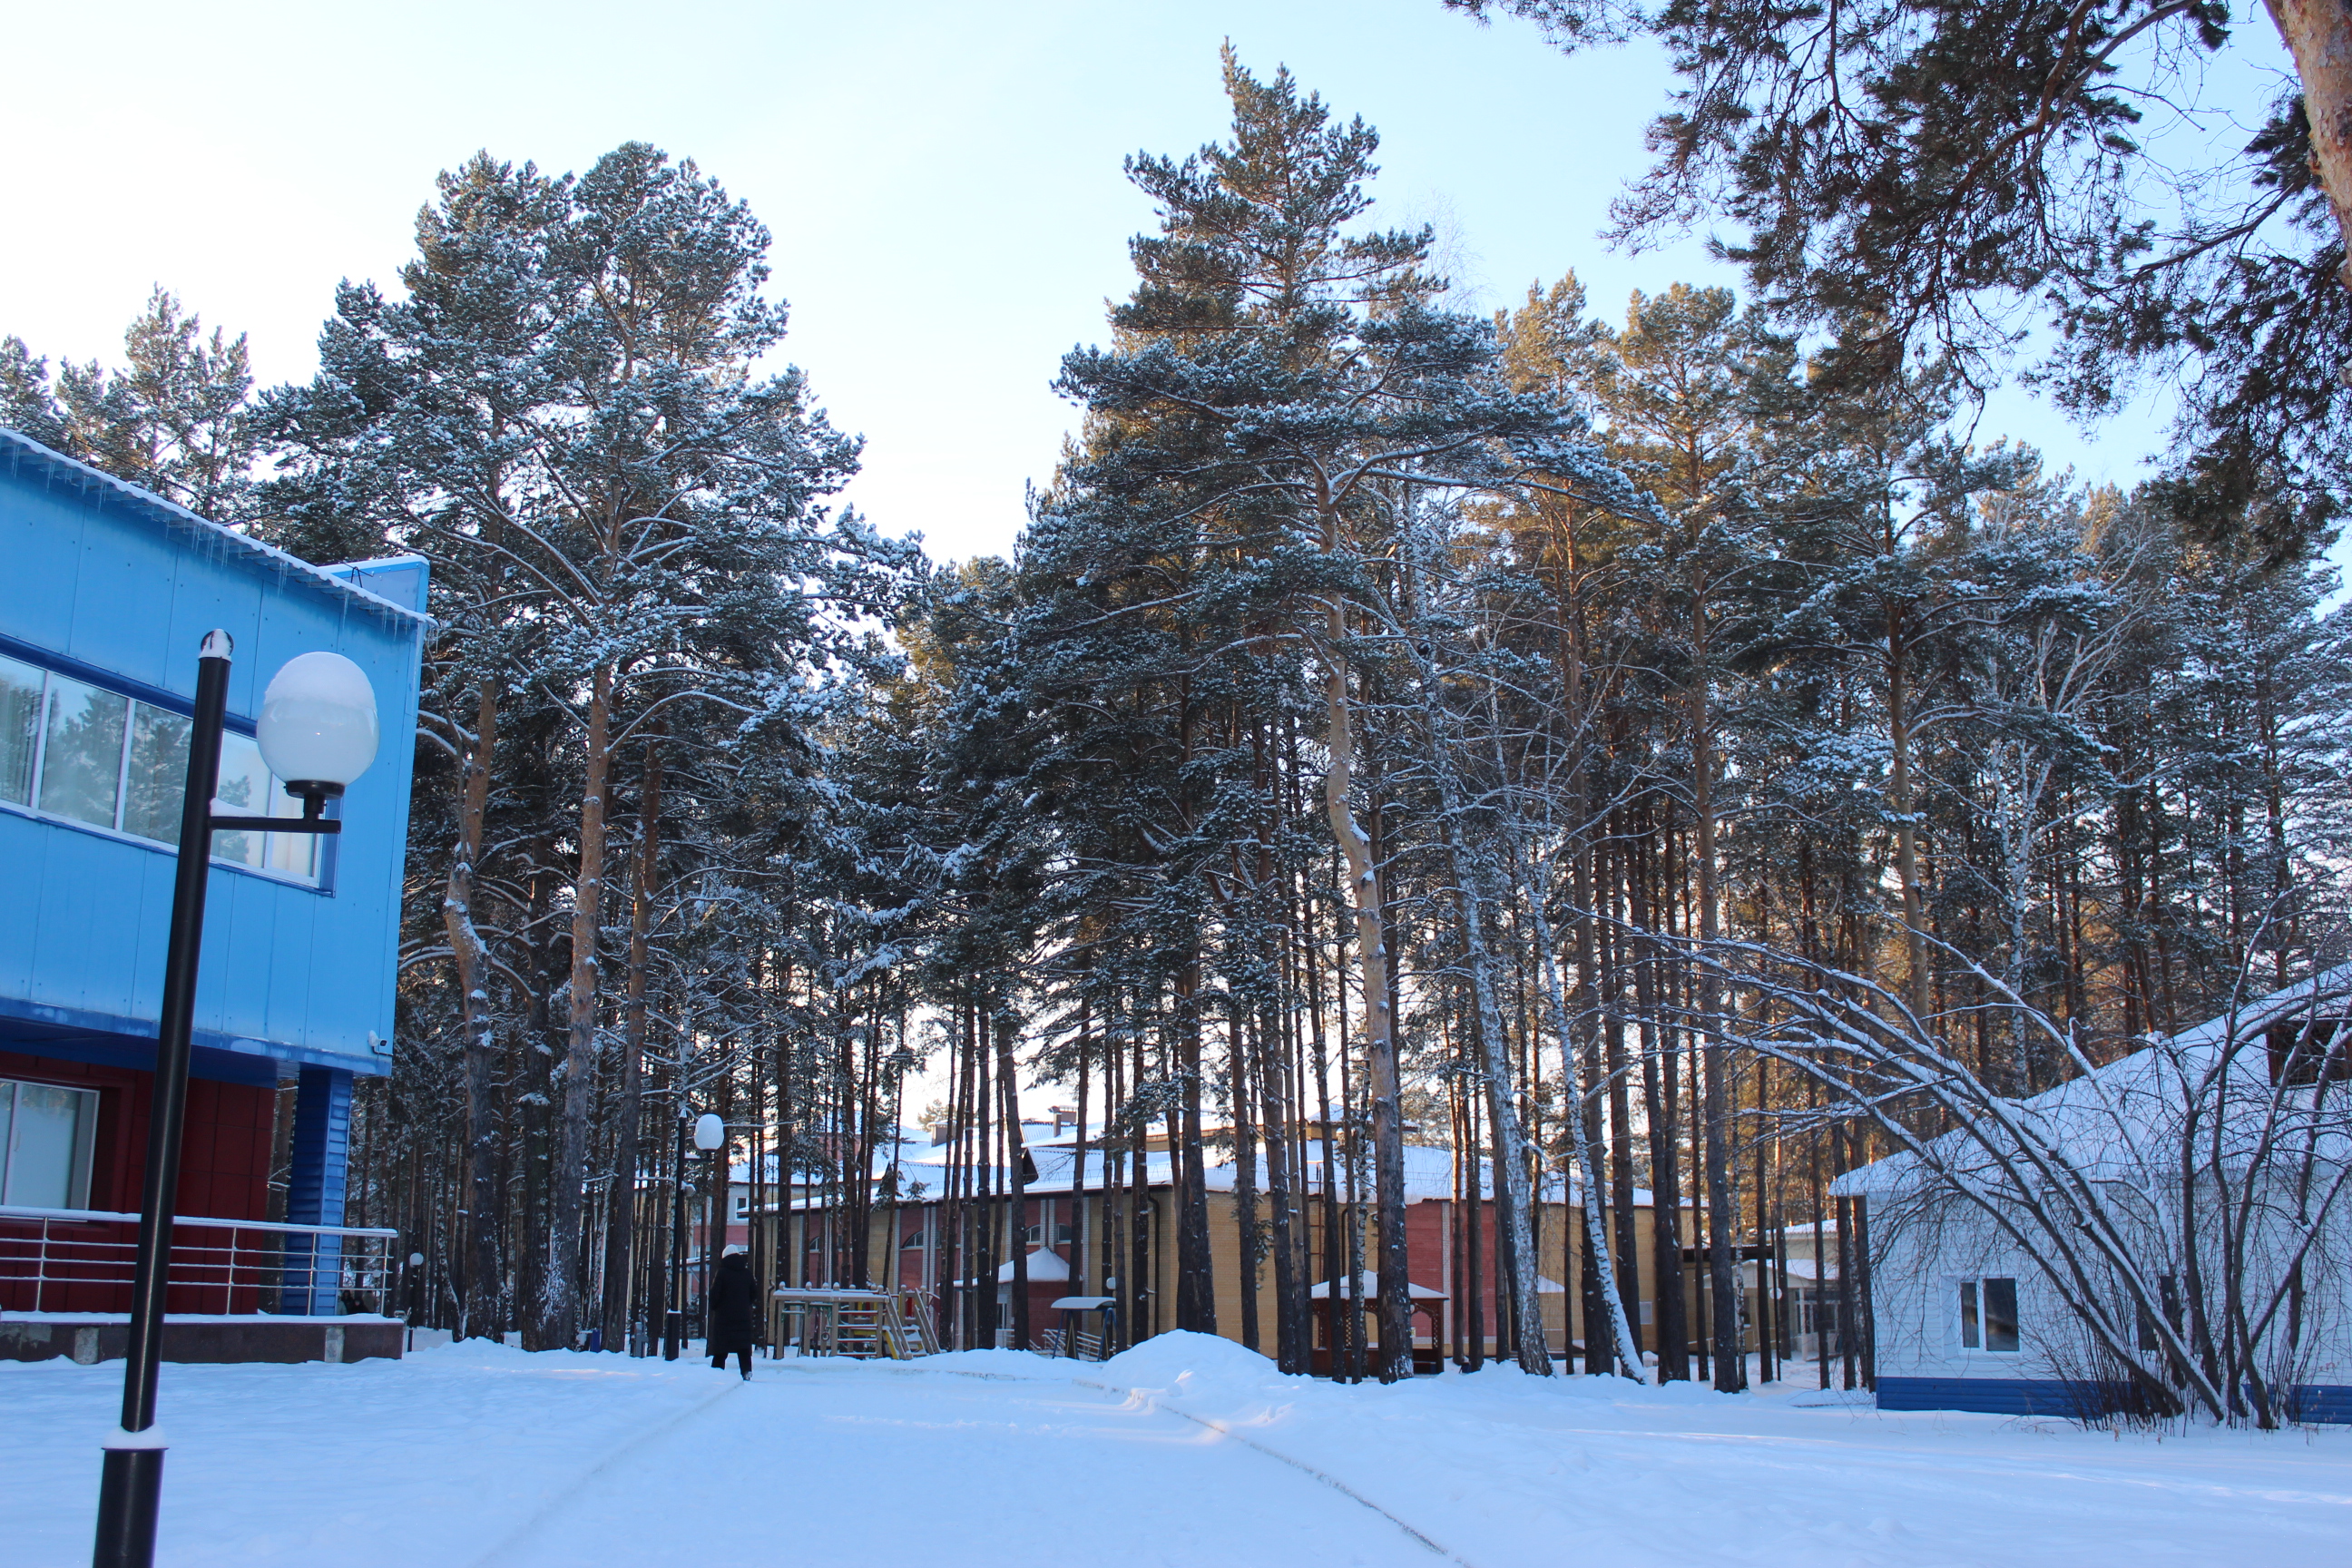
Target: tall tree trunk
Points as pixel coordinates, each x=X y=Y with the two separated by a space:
x=621 y=1227
x=1196 y=1295
x=1016 y=1180
x=473 y=963
x=1474 y=1207
x=2318 y=34
x=560 y=1289
x=1723 y=1222
x=1588 y=1168
x=1237 y=1061
x=1329 y=1175
x=1671 y=1331
x=1621 y=1130
x=1277 y=1035
x=1082 y=1230
x=1898 y=793
x=1279 y=1107
x=1513 y=1194
x=1380 y=1035
x=1592 y=1089
x=985 y=1317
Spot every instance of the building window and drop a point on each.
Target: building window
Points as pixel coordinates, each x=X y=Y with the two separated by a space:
x=2168 y=1295
x=46 y=1133
x=1988 y=1315
x=1035 y=1234
x=81 y=753
x=2306 y=1052
x=20 y=730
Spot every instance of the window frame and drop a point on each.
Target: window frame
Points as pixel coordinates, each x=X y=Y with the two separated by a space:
x=2308 y=1052
x=1972 y=1317
x=85 y=1151
x=54 y=666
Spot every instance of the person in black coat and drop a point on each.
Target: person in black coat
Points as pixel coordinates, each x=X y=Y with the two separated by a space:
x=734 y=1302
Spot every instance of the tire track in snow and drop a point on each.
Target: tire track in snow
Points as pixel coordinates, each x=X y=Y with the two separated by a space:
x=1152 y=1402
x=605 y=1461
x=1329 y=1479
x=521 y=1534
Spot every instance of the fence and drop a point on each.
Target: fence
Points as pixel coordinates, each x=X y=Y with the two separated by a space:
x=82 y=1260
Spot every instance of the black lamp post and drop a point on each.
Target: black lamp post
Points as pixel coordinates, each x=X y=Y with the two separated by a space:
x=318 y=730
x=674 y=1308
x=710 y=1137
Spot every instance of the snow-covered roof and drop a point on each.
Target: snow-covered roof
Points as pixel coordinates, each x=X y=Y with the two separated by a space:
x=1046 y=1267
x=2106 y=1122
x=23 y=455
x=1368 y=1288
x=1428 y=1173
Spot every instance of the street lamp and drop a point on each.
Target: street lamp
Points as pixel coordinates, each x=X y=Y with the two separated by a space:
x=318 y=731
x=674 y=1307
x=710 y=1136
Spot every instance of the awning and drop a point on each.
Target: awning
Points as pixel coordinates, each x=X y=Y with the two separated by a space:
x=1084 y=1303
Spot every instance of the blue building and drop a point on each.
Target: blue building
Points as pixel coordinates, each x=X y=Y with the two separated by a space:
x=106 y=591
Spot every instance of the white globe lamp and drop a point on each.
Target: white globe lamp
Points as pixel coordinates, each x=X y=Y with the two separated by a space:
x=318 y=728
x=709 y=1133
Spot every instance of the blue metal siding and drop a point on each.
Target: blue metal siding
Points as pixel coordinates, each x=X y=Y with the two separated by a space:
x=315 y=1187
x=2058 y=1396
x=127 y=586
x=2323 y=1402
x=41 y=542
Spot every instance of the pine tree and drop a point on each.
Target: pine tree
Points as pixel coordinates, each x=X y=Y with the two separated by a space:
x=173 y=419
x=1941 y=167
x=1281 y=383
x=563 y=410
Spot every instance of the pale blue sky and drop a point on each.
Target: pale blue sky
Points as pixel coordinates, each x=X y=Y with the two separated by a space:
x=943 y=180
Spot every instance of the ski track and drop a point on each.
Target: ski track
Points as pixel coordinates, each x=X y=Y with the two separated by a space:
x=703 y=1465
x=1295 y=1463
x=619 y=1451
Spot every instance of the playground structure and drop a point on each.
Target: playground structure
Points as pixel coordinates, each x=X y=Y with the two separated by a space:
x=839 y=1321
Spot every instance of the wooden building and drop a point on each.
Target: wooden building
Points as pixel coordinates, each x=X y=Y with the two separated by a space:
x=1070 y=1224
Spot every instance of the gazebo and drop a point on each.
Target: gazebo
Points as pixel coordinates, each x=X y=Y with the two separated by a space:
x=1426 y=1303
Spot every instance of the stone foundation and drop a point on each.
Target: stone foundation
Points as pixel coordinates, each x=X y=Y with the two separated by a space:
x=91 y=1337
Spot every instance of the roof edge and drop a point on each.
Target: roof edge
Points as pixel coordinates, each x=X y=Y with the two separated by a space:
x=24 y=449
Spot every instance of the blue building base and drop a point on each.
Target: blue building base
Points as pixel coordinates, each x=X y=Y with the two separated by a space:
x=314 y=1190
x=2066 y=1398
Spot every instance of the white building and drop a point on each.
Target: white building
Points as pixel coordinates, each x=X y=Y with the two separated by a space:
x=2000 y=1261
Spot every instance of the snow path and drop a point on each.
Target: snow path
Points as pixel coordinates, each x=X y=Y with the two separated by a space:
x=913 y=1460
x=1186 y=1450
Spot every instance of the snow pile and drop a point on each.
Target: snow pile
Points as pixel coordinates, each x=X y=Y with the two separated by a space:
x=1184 y=1363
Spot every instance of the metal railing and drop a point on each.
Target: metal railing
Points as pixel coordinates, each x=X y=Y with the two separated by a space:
x=82 y=1260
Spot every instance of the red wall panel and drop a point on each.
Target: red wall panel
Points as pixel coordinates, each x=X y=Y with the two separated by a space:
x=225 y=1155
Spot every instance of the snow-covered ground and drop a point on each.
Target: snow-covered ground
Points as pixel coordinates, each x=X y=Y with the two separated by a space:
x=1187 y=1450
